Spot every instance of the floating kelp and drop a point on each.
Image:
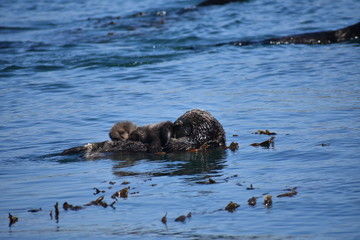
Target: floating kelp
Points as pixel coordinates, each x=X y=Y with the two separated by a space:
x=211 y=181
x=233 y=146
x=139 y=14
x=160 y=153
x=288 y=194
x=268 y=143
x=231 y=207
x=252 y=201
x=112 y=204
x=164 y=219
x=232 y=176
x=34 y=210
x=12 y=220
x=121 y=194
x=97 y=191
x=57 y=212
x=203 y=147
x=67 y=206
x=124 y=193
x=266 y=132
x=290 y=189
x=268 y=201
x=250 y=188
x=98 y=202
x=191 y=150
x=181 y=218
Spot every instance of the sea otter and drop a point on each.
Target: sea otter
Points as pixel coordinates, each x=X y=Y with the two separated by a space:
x=194 y=129
x=156 y=135
x=121 y=130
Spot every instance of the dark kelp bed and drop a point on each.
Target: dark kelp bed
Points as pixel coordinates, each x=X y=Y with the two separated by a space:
x=70 y=70
x=108 y=197
x=123 y=196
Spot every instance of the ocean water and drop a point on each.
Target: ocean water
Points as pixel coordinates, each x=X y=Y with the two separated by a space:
x=70 y=69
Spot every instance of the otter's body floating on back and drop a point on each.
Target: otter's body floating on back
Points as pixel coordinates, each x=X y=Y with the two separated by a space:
x=194 y=129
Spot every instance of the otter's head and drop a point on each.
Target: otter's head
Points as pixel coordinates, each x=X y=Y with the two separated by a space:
x=181 y=129
x=119 y=135
x=121 y=131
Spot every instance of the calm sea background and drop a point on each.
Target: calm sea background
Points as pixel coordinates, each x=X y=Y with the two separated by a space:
x=70 y=69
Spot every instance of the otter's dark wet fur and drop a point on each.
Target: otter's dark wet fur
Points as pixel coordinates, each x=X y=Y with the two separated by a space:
x=121 y=130
x=194 y=129
x=156 y=135
x=92 y=149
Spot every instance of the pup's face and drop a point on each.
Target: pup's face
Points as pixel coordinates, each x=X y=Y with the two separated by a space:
x=123 y=135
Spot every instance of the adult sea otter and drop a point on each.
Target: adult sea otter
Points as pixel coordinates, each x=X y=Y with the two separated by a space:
x=193 y=130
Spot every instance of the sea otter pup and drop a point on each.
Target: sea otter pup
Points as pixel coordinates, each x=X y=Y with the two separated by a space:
x=156 y=135
x=121 y=131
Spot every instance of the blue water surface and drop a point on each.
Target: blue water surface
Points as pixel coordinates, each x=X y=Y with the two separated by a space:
x=70 y=69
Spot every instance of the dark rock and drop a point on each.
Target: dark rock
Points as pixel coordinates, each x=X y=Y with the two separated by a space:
x=325 y=37
x=350 y=33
